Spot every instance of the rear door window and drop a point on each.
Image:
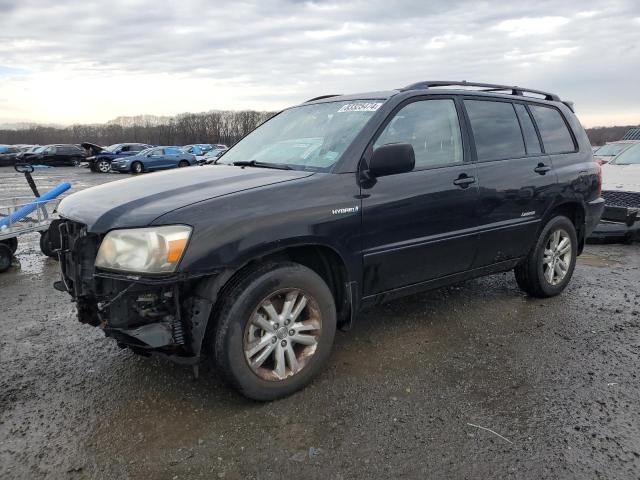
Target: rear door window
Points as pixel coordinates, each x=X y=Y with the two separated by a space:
x=496 y=130
x=531 y=141
x=553 y=130
x=432 y=128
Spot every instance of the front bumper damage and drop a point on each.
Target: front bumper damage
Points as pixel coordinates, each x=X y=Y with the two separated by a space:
x=151 y=315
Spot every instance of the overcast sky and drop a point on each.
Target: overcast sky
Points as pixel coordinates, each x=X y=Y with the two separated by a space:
x=90 y=61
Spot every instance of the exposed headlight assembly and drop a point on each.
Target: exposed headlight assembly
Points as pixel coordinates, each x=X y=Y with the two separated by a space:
x=144 y=250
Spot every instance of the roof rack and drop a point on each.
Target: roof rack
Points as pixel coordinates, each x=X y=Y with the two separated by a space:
x=486 y=87
x=321 y=97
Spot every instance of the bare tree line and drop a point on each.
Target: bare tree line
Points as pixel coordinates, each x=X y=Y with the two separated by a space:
x=211 y=127
x=602 y=135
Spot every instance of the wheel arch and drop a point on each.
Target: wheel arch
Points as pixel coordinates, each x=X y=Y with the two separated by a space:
x=575 y=211
x=323 y=259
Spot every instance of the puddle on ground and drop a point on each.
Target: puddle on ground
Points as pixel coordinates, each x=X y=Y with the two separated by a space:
x=593 y=260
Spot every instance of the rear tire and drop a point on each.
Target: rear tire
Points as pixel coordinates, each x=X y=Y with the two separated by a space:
x=548 y=268
x=136 y=168
x=183 y=163
x=5 y=257
x=291 y=359
x=45 y=245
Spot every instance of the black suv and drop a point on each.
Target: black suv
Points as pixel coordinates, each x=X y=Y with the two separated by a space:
x=54 y=155
x=338 y=203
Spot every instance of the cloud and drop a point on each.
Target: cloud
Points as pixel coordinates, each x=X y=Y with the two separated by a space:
x=519 y=27
x=87 y=60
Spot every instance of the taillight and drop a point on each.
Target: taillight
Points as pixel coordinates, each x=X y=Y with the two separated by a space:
x=599 y=166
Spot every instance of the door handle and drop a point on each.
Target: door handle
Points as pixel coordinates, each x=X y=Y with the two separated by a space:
x=464 y=181
x=542 y=169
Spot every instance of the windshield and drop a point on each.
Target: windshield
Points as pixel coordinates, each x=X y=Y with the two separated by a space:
x=37 y=149
x=611 y=149
x=144 y=152
x=310 y=137
x=112 y=148
x=630 y=156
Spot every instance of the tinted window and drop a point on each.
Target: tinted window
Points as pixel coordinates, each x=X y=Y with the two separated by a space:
x=528 y=130
x=137 y=148
x=432 y=127
x=495 y=130
x=553 y=130
x=172 y=151
x=156 y=153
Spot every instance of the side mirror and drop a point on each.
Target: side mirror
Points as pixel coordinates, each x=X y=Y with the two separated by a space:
x=392 y=159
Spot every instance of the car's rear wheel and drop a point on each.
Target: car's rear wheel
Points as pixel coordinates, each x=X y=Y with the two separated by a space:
x=274 y=331
x=136 y=167
x=548 y=268
x=103 y=166
x=183 y=163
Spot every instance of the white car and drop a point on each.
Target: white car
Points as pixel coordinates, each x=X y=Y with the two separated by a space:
x=621 y=191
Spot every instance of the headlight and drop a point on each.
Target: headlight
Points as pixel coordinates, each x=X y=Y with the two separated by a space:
x=144 y=250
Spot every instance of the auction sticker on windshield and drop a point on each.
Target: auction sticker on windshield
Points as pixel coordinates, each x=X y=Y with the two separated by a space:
x=360 y=107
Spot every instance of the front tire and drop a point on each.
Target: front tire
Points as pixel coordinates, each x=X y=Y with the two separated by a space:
x=45 y=245
x=274 y=332
x=136 y=168
x=103 y=166
x=548 y=268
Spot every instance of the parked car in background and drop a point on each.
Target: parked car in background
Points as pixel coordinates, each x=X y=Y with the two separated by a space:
x=8 y=155
x=198 y=149
x=155 y=158
x=370 y=197
x=621 y=192
x=608 y=151
x=212 y=156
x=24 y=148
x=101 y=160
x=54 y=155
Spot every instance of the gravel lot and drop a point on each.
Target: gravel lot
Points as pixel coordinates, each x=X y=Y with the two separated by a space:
x=411 y=392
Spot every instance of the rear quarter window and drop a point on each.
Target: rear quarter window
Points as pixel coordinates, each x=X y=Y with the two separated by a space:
x=528 y=130
x=496 y=130
x=555 y=134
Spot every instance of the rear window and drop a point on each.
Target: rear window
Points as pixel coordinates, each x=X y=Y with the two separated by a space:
x=496 y=130
x=553 y=130
x=528 y=130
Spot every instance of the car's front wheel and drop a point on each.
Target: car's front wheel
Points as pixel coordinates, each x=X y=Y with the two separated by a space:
x=103 y=166
x=548 y=268
x=136 y=167
x=274 y=331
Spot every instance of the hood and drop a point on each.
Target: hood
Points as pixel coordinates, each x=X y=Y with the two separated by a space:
x=624 y=178
x=92 y=148
x=136 y=202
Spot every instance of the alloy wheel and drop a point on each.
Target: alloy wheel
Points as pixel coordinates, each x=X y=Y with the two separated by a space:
x=556 y=258
x=104 y=167
x=282 y=334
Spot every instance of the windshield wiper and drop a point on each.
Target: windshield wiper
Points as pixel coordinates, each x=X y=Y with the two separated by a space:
x=255 y=163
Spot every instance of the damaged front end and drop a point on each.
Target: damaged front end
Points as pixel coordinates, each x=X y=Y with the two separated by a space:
x=154 y=314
